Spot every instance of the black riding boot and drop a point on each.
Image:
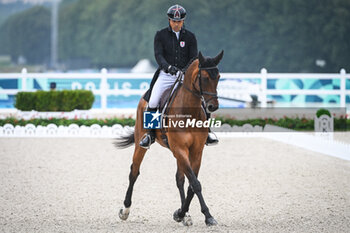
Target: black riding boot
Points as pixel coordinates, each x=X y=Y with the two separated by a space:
x=149 y=137
x=211 y=139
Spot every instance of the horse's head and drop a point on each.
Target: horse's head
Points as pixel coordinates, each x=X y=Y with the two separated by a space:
x=206 y=80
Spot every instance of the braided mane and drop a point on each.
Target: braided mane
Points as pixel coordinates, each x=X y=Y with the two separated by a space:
x=189 y=63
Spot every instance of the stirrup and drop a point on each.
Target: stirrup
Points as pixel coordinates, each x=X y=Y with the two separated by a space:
x=146 y=141
x=211 y=141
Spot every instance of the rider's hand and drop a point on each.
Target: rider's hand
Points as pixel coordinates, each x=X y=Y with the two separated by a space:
x=173 y=70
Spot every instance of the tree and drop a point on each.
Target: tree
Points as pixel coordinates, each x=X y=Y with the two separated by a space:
x=27 y=34
x=282 y=36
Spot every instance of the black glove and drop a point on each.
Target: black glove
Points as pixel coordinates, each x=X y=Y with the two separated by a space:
x=173 y=70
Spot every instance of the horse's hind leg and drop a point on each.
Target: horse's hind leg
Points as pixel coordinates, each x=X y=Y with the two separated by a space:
x=134 y=173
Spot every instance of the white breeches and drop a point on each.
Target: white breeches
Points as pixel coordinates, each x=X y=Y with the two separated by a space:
x=164 y=81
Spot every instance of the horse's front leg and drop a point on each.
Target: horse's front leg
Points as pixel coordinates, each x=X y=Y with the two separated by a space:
x=185 y=204
x=134 y=173
x=185 y=200
x=180 y=181
x=195 y=188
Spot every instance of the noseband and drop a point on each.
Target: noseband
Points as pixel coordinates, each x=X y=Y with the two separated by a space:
x=200 y=93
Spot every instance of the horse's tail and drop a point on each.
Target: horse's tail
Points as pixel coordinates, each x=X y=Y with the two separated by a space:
x=125 y=141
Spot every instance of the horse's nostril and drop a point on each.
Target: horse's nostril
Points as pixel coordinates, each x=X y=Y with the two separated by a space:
x=211 y=107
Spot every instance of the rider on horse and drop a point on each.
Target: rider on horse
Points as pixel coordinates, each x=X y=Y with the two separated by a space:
x=174 y=48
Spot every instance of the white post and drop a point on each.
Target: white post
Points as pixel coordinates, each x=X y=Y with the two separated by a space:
x=342 y=88
x=24 y=79
x=103 y=89
x=263 y=87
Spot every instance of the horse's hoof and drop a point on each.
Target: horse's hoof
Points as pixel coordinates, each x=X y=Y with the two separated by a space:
x=176 y=216
x=187 y=220
x=211 y=222
x=123 y=215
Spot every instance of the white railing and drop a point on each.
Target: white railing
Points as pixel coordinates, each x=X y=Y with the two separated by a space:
x=259 y=89
x=262 y=92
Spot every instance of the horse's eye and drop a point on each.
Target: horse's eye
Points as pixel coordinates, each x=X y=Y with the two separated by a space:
x=205 y=80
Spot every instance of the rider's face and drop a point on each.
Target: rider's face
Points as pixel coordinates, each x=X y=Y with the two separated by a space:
x=176 y=25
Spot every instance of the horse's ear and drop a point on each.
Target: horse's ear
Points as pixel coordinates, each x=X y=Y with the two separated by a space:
x=201 y=58
x=218 y=58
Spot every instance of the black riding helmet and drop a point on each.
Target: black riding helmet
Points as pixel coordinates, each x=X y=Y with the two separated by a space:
x=176 y=13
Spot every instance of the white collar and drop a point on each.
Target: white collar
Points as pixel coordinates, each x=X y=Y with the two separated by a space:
x=177 y=34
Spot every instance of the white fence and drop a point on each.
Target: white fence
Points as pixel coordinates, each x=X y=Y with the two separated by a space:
x=260 y=89
x=318 y=143
x=73 y=130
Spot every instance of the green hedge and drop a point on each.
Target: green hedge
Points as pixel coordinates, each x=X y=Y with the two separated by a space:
x=52 y=101
x=302 y=124
x=25 y=101
x=323 y=111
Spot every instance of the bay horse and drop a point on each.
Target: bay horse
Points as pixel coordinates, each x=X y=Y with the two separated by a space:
x=199 y=86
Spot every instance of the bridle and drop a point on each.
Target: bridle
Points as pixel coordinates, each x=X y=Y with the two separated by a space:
x=200 y=93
